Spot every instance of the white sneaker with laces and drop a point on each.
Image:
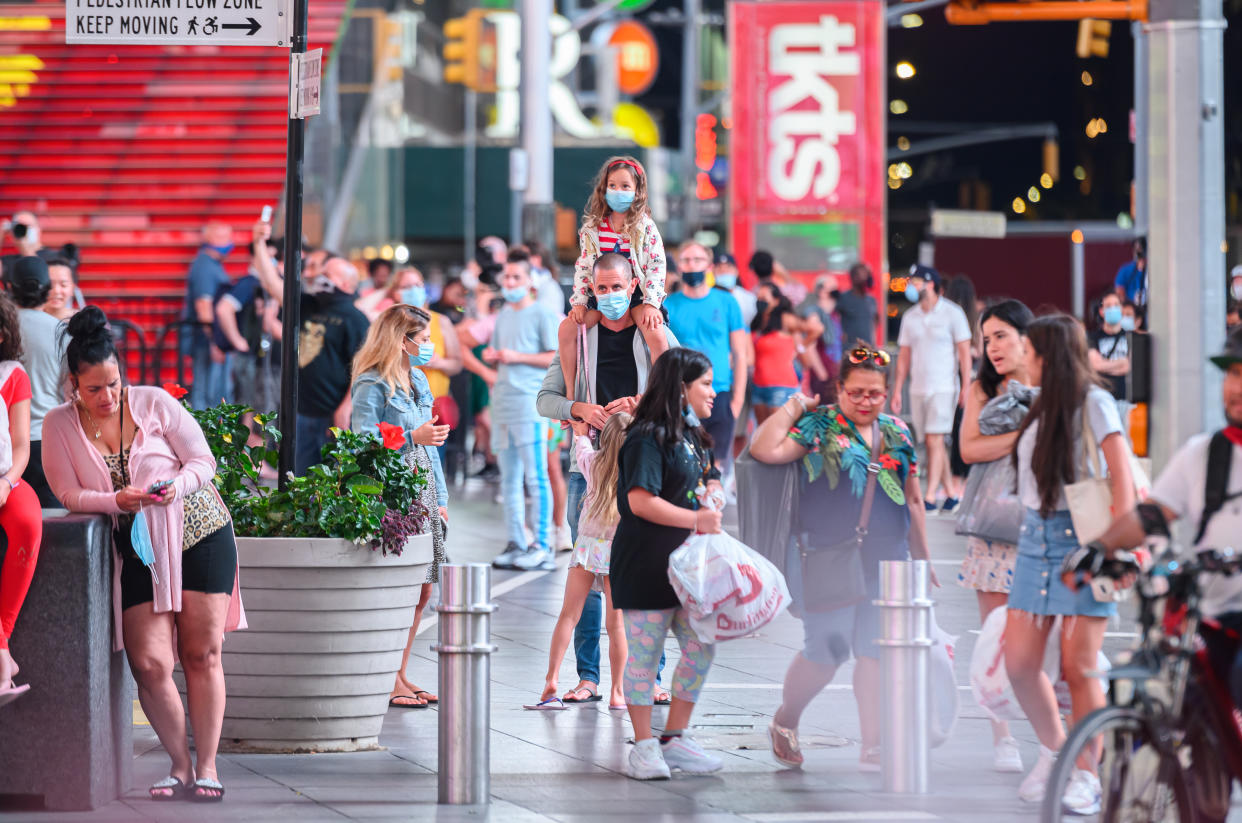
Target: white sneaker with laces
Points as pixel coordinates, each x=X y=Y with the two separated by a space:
x=1005 y=756
x=646 y=762
x=683 y=752
x=1033 y=785
x=1082 y=795
x=564 y=538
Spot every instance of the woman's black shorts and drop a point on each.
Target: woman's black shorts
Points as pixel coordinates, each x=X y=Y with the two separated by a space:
x=210 y=567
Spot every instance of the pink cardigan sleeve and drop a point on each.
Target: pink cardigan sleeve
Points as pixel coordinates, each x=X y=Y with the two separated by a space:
x=62 y=463
x=186 y=439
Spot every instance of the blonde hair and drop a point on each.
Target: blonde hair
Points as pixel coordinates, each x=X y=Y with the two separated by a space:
x=601 y=503
x=383 y=350
x=393 y=289
x=597 y=207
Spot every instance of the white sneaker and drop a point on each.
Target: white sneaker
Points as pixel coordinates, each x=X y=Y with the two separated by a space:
x=646 y=762
x=564 y=538
x=1006 y=757
x=684 y=752
x=1082 y=795
x=1033 y=785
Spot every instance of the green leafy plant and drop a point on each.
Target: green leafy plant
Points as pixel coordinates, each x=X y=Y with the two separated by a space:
x=363 y=491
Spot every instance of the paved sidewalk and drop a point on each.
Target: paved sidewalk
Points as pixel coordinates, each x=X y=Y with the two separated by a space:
x=567 y=766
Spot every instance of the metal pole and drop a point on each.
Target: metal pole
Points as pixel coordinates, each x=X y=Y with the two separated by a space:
x=294 y=159
x=538 y=211
x=1186 y=237
x=470 y=145
x=905 y=654
x=465 y=683
x=1078 y=278
x=1141 y=130
x=689 y=114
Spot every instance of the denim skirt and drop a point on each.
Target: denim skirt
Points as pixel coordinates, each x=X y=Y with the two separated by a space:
x=1037 y=588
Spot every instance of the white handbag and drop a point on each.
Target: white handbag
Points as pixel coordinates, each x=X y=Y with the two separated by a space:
x=1091 y=499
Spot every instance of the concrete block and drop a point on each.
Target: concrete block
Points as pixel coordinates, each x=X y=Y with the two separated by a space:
x=69 y=739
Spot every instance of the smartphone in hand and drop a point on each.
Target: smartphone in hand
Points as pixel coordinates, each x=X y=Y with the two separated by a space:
x=160 y=489
x=266 y=215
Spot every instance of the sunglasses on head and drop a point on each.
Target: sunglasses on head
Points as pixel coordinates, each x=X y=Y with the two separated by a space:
x=862 y=354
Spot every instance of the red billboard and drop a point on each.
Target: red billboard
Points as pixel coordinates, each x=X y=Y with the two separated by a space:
x=808 y=143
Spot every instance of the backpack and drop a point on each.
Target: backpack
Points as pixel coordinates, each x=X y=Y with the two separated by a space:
x=1215 y=496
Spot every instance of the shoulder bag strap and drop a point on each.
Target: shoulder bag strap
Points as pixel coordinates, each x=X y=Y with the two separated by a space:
x=580 y=374
x=1220 y=454
x=1090 y=448
x=873 y=473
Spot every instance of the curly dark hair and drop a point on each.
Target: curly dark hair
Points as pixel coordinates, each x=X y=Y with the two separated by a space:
x=10 y=329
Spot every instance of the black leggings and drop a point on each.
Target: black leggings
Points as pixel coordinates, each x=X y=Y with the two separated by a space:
x=210 y=567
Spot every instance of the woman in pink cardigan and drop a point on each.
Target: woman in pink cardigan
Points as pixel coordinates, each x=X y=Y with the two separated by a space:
x=120 y=451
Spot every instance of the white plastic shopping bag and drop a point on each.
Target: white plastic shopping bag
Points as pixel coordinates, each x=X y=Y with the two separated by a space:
x=943 y=685
x=728 y=589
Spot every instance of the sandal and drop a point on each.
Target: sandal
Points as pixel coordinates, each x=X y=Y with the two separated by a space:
x=663 y=697
x=592 y=694
x=418 y=704
x=203 y=788
x=428 y=697
x=785 y=746
x=12 y=692
x=170 y=788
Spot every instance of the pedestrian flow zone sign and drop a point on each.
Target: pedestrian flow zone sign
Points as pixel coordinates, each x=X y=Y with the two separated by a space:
x=189 y=22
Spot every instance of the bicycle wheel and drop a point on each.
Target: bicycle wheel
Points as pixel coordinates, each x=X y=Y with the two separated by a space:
x=1140 y=782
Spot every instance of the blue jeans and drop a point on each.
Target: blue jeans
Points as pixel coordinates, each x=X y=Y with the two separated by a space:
x=591 y=623
x=522 y=453
x=220 y=381
x=200 y=386
x=312 y=434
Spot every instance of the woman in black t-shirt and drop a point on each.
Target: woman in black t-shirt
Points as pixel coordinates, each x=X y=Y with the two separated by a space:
x=666 y=469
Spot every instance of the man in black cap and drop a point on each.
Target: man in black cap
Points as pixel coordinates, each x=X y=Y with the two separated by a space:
x=43 y=358
x=935 y=354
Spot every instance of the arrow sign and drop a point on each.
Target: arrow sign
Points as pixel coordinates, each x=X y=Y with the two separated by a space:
x=250 y=23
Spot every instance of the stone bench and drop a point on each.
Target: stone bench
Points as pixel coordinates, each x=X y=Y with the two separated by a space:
x=69 y=739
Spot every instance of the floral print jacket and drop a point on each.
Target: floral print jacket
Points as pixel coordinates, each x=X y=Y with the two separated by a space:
x=648 y=261
x=836 y=447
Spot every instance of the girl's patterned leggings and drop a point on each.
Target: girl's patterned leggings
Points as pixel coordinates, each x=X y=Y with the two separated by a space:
x=645 y=631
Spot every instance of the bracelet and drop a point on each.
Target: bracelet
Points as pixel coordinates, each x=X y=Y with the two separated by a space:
x=12 y=485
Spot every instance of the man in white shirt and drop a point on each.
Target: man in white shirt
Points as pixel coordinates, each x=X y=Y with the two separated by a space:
x=1183 y=491
x=724 y=269
x=935 y=354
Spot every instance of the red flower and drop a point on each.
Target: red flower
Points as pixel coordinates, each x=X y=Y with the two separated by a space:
x=888 y=462
x=841 y=420
x=394 y=436
x=176 y=391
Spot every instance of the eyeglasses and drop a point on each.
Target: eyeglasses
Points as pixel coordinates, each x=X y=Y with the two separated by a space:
x=862 y=354
x=860 y=395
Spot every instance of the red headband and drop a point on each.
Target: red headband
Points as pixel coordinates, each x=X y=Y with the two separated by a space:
x=637 y=169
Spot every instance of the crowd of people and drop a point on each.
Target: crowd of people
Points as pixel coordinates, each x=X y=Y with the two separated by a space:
x=674 y=387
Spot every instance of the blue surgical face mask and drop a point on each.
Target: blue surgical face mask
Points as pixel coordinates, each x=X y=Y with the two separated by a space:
x=692 y=419
x=515 y=295
x=1112 y=315
x=426 y=351
x=613 y=305
x=140 y=536
x=414 y=296
x=912 y=294
x=1127 y=323
x=221 y=250
x=727 y=281
x=619 y=200
x=693 y=278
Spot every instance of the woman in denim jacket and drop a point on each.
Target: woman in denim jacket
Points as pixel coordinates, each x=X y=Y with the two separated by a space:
x=389 y=388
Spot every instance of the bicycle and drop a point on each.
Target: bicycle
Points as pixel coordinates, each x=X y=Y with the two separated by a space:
x=1169 y=740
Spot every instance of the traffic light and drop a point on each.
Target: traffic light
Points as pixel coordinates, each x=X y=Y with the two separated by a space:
x=1093 y=38
x=389 y=48
x=470 y=51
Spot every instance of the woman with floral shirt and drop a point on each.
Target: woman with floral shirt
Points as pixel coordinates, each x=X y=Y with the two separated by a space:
x=834 y=444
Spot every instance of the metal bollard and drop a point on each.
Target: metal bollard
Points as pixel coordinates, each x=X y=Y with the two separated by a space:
x=465 y=683
x=905 y=654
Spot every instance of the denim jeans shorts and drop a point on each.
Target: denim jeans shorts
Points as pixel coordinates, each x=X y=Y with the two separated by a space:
x=1037 y=588
x=772 y=395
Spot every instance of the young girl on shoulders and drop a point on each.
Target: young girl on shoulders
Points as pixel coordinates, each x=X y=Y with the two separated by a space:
x=591 y=556
x=617 y=219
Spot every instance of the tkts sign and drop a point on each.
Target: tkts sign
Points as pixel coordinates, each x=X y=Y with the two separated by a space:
x=808 y=139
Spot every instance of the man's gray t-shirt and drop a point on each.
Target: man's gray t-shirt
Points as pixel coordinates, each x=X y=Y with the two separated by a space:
x=43 y=357
x=858 y=313
x=531 y=330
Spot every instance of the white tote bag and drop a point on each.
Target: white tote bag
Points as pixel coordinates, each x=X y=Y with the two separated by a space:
x=1091 y=499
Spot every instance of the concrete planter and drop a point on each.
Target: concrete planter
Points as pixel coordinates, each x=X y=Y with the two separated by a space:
x=328 y=621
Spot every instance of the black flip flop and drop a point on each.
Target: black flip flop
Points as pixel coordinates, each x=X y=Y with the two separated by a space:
x=430 y=698
x=206 y=783
x=666 y=701
x=179 y=790
x=395 y=705
x=595 y=695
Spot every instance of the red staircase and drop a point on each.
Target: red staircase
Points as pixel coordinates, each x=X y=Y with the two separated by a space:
x=127 y=150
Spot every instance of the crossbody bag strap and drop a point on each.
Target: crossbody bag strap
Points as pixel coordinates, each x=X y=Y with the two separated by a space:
x=580 y=374
x=873 y=473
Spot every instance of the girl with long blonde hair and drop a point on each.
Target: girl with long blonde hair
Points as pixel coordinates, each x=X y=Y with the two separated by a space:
x=591 y=557
x=617 y=220
x=390 y=388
